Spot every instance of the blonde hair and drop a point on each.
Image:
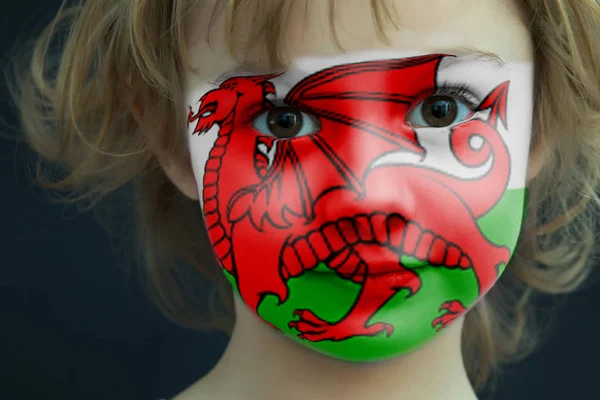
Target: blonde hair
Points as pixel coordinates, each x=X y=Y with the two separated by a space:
x=76 y=113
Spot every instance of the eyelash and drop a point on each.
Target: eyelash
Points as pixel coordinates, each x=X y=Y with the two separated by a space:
x=460 y=91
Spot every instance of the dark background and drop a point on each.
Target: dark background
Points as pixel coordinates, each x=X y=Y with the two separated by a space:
x=75 y=326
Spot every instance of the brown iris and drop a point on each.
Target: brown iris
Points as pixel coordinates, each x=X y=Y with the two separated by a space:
x=439 y=111
x=284 y=122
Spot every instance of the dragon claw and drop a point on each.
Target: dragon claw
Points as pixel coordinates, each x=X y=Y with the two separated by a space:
x=450 y=311
x=314 y=329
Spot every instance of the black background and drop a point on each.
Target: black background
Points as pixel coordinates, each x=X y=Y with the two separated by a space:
x=75 y=326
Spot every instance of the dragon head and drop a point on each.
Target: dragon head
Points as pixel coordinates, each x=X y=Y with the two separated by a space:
x=217 y=104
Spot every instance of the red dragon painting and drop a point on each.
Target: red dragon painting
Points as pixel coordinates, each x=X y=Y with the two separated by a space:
x=276 y=208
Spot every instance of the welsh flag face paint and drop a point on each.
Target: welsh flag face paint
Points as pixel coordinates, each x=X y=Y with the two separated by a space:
x=361 y=203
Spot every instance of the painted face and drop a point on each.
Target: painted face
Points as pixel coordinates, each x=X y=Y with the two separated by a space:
x=361 y=203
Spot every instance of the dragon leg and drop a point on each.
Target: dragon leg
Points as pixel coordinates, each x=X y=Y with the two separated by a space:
x=375 y=292
x=255 y=284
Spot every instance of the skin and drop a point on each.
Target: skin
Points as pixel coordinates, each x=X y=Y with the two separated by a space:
x=288 y=370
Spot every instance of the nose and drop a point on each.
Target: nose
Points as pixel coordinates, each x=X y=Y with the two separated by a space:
x=387 y=189
x=390 y=189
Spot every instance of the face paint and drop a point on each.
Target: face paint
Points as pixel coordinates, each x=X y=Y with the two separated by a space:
x=361 y=203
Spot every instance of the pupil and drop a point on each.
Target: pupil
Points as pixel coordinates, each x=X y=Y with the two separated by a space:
x=287 y=120
x=284 y=122
x=440 y=111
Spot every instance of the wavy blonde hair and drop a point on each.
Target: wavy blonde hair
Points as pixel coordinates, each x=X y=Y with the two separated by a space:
x=76 y=100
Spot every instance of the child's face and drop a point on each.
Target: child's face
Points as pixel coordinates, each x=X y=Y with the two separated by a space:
x=362 y=202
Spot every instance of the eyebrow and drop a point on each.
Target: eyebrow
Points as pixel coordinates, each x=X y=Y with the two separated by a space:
x=484 y=56
x=481 y=56
x=242 y=70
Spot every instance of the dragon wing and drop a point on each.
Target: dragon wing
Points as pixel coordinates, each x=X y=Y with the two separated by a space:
x=361 y=108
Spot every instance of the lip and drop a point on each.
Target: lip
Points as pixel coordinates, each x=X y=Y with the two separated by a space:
x=380 y=268
x=411 y=266
x=370 y=245
x=401 y=279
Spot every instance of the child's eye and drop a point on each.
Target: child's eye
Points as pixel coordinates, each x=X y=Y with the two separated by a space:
x=439 y=111
x=285 y=122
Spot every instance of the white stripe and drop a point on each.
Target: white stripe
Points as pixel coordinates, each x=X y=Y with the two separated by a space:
x=482 y=78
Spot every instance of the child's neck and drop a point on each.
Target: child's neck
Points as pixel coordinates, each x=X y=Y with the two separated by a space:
x=260 y=363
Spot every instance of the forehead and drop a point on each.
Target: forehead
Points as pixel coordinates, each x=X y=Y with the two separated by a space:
x=424 y=26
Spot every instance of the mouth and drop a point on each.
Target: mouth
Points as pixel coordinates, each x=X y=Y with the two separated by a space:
x=350 y=263
x=208 y=109
x=374 y=245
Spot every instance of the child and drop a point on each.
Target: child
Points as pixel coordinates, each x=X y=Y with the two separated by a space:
x=364 y=173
